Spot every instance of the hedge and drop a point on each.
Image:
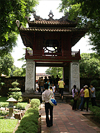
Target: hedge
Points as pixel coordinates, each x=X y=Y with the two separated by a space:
x=35 y=103
x=96 y=111
x=29 y=122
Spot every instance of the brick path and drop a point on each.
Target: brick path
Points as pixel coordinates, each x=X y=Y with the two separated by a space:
x=65 y=120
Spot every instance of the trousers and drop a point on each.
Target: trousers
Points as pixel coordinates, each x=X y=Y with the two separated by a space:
x=49 y=110
x=86 y=100
x=82 y=99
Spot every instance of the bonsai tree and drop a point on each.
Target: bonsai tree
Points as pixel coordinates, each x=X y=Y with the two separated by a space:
x=15 y=84
x=15 y=92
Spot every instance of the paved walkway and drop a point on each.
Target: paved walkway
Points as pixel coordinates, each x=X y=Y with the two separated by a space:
x=65 y=120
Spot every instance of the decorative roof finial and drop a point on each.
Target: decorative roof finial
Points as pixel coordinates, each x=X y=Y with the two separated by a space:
x=50 y=14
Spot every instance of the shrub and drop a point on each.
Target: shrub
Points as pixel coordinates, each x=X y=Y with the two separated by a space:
x=4 y=104
x=15 y=84
x=15 y=92
x=96 y=112
x=78 y=102
x=14 y=89
x=15 y=95
x=29 y=122
x=94 y=83
x=97 y=88
x=71 y=101
x=3 y=113
x=97 y=95
x=3 y=99
x=35 y=103
x=21 y=106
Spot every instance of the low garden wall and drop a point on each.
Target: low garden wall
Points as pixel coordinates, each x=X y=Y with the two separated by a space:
x=21 y=80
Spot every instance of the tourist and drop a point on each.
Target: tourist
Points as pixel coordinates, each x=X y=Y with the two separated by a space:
x=92 y=92
x=45 y=80
x=56 y=82
x=82 y=97
x=41 y=83
x=53 y=80
x=37 y=87
x=48 y=82
x=53 y=89
x=74 y=92
x=50 y=79
x=48 y=107
x=86 y=97
x=61 y=87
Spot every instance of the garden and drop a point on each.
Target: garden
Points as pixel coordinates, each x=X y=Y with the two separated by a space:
x=24 y=117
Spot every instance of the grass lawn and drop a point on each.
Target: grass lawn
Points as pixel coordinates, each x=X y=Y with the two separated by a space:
x=7 y=125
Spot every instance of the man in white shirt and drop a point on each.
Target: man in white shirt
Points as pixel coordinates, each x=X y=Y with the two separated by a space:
x=48 y=108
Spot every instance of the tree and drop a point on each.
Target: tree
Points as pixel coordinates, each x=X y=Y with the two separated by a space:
x=22 y=71
x=55 y=71
x=86 y=12
x=10 y=11
x=6 y=64
x=89 y=66
x=19 y=72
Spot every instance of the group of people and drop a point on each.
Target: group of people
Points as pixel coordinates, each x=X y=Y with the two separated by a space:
x=54 y=84
x=84 y=94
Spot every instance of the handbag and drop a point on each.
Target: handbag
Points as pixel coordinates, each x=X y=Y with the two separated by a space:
x=52 y=101
x=76 y=96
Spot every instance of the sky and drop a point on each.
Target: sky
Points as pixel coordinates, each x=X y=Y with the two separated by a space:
x=43 y=10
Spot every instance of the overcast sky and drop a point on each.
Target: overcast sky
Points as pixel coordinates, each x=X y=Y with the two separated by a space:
x=43 y=10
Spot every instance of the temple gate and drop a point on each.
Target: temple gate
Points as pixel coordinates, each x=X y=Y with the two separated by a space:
x=51 y=41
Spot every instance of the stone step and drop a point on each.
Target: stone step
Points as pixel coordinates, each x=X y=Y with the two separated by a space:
x=28 y=97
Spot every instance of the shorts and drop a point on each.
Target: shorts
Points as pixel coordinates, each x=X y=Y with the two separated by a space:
x=61 y=91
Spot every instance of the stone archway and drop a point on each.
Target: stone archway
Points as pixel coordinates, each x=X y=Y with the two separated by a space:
x=71 y=71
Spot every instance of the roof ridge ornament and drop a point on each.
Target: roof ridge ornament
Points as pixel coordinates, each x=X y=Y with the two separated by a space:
x=36 y=17
x=50 y=15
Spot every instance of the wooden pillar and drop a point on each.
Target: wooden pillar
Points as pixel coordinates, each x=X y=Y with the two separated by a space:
x=66 y=44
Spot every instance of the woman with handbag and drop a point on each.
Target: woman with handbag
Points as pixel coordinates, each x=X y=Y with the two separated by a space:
x=75 y=97
x=46 y=95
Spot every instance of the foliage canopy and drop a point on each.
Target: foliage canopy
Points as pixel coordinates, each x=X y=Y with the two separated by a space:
x=10 y=11
x=89 y=65
x=6 y=64
x=55 y=71
x=86 y=12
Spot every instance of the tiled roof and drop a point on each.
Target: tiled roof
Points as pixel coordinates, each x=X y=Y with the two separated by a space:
x=50 y=29
x=53 y=22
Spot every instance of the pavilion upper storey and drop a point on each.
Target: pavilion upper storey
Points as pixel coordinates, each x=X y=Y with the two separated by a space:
x=51 y=37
